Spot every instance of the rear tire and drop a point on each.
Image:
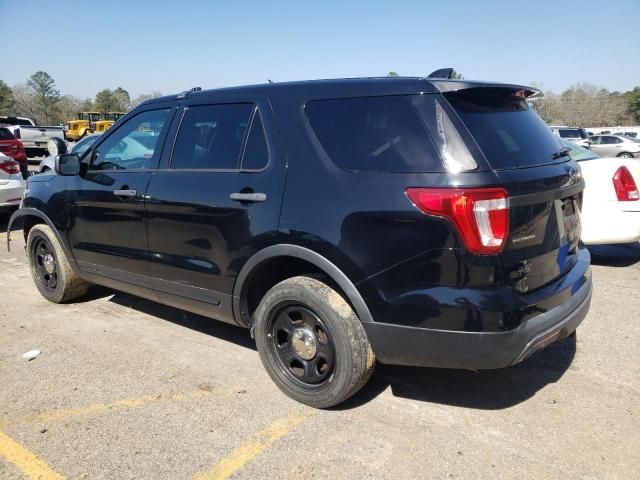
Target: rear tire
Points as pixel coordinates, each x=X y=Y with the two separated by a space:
x=625 y=155
x=50 y=269
x=311 y=342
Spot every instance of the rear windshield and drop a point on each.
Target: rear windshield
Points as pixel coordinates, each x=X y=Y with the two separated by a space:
x=565 y=133
x=374 y=133
x=507 y=130
x=5 y=134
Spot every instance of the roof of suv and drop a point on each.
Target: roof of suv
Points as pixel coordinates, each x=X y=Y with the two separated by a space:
x=382 y=85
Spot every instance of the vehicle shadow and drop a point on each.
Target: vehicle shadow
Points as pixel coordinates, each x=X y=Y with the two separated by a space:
x=208 y=326
x=486 y=390
x=622 y=255
x=4 y=222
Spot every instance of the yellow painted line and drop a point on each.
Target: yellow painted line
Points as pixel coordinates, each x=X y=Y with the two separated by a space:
x=65 y=414
x=246 y=452
x=27 y=462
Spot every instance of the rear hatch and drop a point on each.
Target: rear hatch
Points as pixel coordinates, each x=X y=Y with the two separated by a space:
x=544 y=186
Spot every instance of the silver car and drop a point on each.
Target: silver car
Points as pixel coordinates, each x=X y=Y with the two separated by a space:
x=615 y=146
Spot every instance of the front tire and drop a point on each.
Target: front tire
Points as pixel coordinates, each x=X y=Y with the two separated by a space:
x=625 y=155
x=311 y=342
x=50 y=269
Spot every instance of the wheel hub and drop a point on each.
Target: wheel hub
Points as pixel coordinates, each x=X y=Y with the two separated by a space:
x=49 y=263
x=304 y=343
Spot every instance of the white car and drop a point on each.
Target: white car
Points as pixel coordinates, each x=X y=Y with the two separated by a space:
x=611 y=203
x=12 y=184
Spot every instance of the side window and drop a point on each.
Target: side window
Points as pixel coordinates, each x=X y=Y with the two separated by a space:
x=256 y=152
x=211 y=136
x=133 y=145
x=609 y=140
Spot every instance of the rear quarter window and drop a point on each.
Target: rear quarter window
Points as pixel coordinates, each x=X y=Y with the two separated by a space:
x=374 y=134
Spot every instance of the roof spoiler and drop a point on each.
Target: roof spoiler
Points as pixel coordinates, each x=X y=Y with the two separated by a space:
x=441 y=73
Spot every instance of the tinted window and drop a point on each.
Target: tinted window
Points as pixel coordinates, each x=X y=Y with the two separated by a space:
x=569 y=133
x=508 y=131
x=256 y=153
x=374 y=133
x=5 y=134
x=211 y=136
x=133 y=145
x=595 y=139
x=610 y=140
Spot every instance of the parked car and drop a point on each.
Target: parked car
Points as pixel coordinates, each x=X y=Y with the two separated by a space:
x=611 y=206
x=577 y=135
x=12 y=147
x=48 y=163
x=34 y=137
x=11 y=183
x=416 y=221
x=615 y=146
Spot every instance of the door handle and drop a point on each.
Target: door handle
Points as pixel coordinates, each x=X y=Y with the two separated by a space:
x=248 y=197
x=125 y=193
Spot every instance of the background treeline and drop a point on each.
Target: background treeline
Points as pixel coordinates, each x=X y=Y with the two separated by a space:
x=40 y=99
x=586 y=105
x=581 y=105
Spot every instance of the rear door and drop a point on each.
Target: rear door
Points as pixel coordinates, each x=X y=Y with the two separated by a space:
x=214 y=201
x=545 y=189
x=107 y=231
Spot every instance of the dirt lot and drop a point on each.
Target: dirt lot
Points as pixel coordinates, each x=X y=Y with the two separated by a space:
x=125 y=388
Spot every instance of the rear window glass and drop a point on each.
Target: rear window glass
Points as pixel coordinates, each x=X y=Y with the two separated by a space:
x=564 y=133
x=374 y=133
x=507 y=130
x=5 y=134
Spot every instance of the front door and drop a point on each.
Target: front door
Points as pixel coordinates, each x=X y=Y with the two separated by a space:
x=215 y=202
x=108 y=226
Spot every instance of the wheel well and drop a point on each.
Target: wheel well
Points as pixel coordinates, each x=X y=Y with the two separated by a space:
x=274 y=271
x=28 y=222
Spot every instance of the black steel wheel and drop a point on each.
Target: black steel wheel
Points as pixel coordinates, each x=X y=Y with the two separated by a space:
x=302 y=343
x=311 y=342
x=50 y=268
x=45 y=264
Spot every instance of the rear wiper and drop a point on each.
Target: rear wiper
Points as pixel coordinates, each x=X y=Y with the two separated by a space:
x=562 y=153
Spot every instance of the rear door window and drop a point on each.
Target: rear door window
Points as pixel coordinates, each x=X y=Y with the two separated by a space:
x=211 y=136
x=507 y=130
x=5 y=134
x=374 y=133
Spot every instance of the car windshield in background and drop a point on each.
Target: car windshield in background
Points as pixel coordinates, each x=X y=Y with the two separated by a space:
x=576 y=152
x=5 y=134
x=509 y=133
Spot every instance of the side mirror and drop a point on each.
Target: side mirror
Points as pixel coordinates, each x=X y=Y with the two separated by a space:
x=56 y=146
x=67 y=164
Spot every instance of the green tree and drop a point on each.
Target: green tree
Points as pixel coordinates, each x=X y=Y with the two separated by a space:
x=105 y=101
x=634 y=103
x=122 y=98
x=393 y=74
x=457 y=75
x=7 y=102
x=46 y=95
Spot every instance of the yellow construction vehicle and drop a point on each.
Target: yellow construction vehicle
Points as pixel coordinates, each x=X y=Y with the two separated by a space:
x=81 y=126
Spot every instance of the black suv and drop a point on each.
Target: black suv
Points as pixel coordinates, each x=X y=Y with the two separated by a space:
x=412 y=221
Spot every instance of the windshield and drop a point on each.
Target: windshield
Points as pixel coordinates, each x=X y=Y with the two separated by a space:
x=84 y=144
x=576 y=152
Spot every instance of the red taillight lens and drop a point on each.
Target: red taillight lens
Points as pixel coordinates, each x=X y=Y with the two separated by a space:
x=10 y=166
x=481 y=215
x=625 y=185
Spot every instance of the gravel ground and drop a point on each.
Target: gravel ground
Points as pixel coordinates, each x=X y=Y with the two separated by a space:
x=125 y=388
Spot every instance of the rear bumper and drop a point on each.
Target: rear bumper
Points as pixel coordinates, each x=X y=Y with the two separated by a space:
x=11 y=193
x=615 y=223
x=404 y=345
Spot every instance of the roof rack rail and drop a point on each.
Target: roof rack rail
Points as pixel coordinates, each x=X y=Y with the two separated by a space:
x=441 y=73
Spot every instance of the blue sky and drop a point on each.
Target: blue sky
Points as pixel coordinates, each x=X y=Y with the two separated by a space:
x=170 y=46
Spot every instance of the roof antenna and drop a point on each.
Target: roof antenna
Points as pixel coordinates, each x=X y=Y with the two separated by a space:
x=441 y=73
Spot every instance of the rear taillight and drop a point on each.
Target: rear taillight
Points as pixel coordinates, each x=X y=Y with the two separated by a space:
x=624 y=185
x=10 y=166
x=481 y=215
